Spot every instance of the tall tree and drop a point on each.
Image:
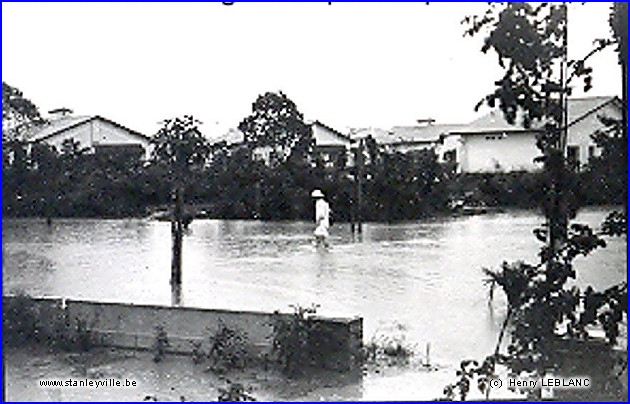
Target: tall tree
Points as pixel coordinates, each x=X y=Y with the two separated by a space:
x=277 y=125
x=180 y=148
x=530 y=41
x=18 y=113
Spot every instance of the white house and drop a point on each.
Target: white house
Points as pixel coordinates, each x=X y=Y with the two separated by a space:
x=424 y=137
x=490 y=144
x=331 y=146
x=95 y=133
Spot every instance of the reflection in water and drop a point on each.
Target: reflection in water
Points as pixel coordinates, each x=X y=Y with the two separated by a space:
x=176 y=294
x=425 y=275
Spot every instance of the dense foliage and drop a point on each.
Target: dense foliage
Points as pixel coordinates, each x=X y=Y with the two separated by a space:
x=548 y=316
x=277 y=124
x=18 y=113
x=230 y=182
x=47 y=183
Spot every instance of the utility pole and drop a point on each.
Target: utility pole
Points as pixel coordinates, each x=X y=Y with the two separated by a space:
x=557 y=213
x=623 y=61
x=360 y=186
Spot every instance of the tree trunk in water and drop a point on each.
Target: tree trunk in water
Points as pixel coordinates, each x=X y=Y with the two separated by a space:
x=258 y=199
x=624 y=95
x=177 y=233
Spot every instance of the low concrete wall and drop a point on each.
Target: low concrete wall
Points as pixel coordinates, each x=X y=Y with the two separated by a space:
x=134 y=326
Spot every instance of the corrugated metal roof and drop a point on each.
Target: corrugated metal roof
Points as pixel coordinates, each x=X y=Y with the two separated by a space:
x=64 y=123
x=235 y=136
x=580 y=107
x=57 y=125
x=381 y=136
x=494 y=121
x=422 y=134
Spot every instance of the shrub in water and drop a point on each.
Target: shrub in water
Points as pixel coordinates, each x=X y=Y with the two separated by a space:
x=19 y=320
x=235 y=392
x=197 y=352
x=161 y=343
x=292 y=337
x=227 y=349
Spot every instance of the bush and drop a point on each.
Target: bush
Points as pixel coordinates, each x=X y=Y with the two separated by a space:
x=389 y=350
x=516 y=189
x=235 y=392
x=19 y=320
x=290 y=339
x=25 y=321
x=227 y=349
x=161 y=343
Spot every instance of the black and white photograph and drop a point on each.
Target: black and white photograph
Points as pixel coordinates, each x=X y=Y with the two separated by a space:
x=314 y=201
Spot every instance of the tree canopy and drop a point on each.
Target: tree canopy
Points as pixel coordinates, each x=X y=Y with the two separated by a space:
x=180 y=147
x=529 y=41
x=18 y=112
x=277 y=124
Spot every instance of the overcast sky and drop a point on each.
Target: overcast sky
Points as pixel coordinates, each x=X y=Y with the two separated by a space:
x=345 y=64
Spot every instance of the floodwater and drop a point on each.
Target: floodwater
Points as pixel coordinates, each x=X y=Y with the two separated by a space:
x=421 y=278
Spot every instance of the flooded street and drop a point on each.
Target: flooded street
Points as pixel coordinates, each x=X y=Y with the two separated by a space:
x=422 y=279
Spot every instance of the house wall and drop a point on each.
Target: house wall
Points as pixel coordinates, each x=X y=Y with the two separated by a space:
x=106 y=133
x=451 y=143
x=579 y=134
x=515 y=152
x=331 y=147
x=81 y=133
x=490 y=153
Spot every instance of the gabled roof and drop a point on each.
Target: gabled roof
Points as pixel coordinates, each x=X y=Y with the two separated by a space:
x=57 y=125
x=60 y=125
x=334 y=131
x=494 y=121
x=233 y=137
x=579 y=108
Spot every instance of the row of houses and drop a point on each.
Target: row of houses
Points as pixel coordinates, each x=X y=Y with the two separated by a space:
x=488 y=144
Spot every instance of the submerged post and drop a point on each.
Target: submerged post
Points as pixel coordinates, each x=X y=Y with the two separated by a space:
x=177 y=232
x=176 y=294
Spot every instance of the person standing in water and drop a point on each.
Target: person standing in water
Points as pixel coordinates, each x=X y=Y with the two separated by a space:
x=322 y=218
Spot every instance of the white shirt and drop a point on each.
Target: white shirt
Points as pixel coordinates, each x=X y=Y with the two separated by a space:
x=322 y=217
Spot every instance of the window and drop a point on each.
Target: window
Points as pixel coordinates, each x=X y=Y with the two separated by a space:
x=450 y=156
x=573 y=157
x=591 y=153
x=497 y=136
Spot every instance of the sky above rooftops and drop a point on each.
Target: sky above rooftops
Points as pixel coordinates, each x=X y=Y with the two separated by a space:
x=346 y=64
